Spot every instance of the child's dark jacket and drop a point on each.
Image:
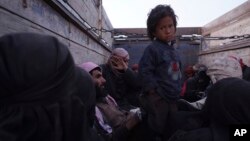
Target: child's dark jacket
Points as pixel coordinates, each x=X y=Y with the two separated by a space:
x=159 y=70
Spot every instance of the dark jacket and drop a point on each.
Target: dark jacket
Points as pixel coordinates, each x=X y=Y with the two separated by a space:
x=120 y=87
x=159 y=70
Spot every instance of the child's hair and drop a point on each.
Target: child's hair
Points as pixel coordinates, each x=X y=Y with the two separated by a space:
x=156 y=14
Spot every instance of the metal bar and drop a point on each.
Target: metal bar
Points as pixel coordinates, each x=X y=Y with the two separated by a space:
x=65 y=10
x=228 y=47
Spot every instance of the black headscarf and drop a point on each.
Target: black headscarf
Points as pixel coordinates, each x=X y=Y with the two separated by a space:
x=43 y=96
x=228 y=101
x=227 y=104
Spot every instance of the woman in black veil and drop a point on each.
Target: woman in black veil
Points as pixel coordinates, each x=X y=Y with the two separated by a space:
x=43 y=95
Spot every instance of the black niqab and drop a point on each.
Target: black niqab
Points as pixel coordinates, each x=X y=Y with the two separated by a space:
x=228 y=101
x=40 y=94
x=227 y=104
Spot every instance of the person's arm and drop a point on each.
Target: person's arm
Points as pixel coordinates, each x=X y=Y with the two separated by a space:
x=118 y=133
x=147 y=69
x=122 y=132
x=131 y=78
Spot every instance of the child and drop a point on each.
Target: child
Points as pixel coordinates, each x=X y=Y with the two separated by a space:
x=159 y=68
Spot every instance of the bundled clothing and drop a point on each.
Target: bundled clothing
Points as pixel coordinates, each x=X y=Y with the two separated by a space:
x=224 y=67
x=160 y=75
x=43 y=96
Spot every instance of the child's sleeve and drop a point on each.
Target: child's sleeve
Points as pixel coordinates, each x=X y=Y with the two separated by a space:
x=147 y=68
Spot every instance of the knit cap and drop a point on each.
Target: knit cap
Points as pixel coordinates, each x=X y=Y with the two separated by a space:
x=89 y=66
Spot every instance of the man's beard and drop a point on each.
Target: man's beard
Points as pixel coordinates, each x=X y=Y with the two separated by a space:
x=100 y=93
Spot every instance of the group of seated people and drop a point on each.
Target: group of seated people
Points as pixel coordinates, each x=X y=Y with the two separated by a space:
x=195 y=83
x=44 y=95
x=200 y=78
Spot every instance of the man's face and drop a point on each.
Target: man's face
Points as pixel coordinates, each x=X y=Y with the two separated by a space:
x=98 y=78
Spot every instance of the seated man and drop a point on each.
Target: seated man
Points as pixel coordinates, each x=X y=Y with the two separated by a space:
x=113 y=123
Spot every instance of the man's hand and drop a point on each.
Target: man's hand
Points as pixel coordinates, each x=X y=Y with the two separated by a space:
x=132 y=120
x=118 y=63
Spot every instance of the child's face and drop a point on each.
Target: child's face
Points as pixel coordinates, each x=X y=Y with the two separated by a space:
x=165 y=29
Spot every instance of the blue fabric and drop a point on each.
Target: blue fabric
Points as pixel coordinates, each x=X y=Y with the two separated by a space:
x=159 y=70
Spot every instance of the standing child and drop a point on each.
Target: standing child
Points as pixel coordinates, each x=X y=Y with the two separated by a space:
x=159 y=69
